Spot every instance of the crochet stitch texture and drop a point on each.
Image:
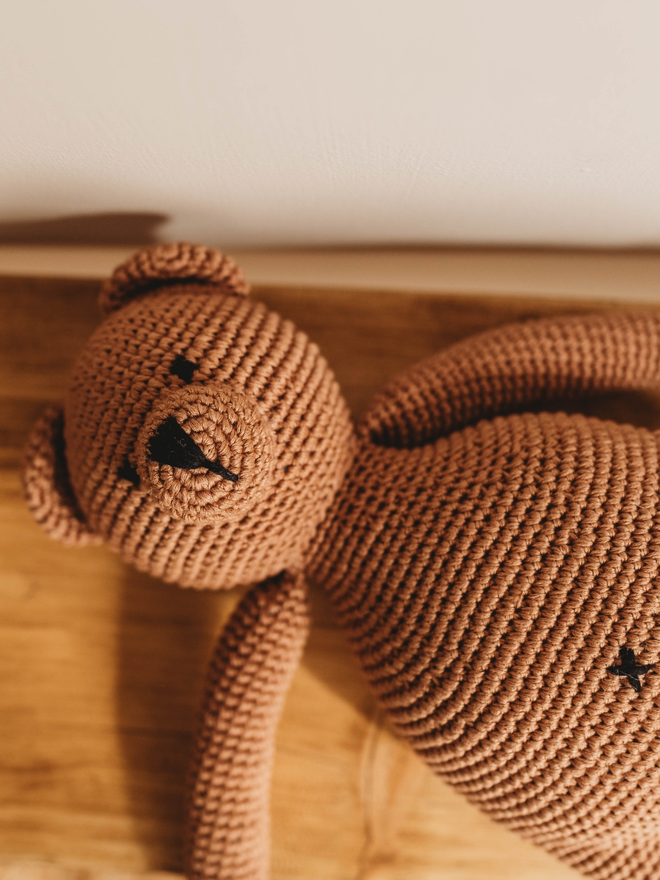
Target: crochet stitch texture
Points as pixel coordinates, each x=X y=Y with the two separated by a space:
x=490 y=565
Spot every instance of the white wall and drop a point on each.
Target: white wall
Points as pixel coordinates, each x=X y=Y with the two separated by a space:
x=269 y=122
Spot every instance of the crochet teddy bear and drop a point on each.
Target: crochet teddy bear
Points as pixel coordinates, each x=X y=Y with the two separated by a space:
x=494 y=568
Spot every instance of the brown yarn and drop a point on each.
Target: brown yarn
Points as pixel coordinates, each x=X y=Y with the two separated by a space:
x=491 y=567
x=495 y=372
x=229 y=821
x=487 y=580
x=226 y=427
x=46 y=483
x=163 y=263
x=254 y=368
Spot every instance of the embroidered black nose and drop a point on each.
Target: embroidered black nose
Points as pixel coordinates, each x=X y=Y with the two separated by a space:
x=171 y=445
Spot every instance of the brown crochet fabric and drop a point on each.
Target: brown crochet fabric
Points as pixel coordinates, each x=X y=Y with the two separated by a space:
x=228 y=835
x=261 y=400
x=168 y=263
x=495 y=372
x=46 y=483
x=489 y=579
x=494 y=569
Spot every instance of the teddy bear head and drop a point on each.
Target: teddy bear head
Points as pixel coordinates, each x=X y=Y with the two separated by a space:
x=203 y=437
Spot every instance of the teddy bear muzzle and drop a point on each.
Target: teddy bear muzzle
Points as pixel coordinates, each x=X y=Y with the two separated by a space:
x=206 y=453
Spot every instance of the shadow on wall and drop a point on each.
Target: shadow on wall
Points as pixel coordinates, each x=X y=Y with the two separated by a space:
x=90 y=229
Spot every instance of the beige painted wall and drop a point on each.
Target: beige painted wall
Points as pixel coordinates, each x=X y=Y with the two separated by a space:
x=253 y=123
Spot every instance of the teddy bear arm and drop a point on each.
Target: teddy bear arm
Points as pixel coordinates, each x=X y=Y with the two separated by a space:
x=250 y=673
x=514 y=366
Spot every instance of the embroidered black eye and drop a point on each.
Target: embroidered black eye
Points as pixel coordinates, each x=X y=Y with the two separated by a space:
x=183 y=368
x=128 y=472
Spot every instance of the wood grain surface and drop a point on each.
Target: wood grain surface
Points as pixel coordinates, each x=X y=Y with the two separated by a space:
x=101 y=668
x=622 y=275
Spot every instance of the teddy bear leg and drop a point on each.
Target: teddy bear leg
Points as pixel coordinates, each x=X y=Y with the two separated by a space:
x=229 y=799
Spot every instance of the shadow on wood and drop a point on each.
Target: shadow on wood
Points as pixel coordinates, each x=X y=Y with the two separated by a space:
x=164 y=639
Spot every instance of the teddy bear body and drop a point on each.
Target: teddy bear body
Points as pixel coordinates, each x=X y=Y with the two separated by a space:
x=487 y=582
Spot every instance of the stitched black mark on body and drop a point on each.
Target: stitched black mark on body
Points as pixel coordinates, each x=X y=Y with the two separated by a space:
x=630 y=669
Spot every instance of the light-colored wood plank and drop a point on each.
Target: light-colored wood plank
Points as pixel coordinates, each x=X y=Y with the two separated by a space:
x=101 y=668
x=626 y=276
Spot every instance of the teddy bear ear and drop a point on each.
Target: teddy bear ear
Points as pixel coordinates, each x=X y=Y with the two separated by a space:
x=46 y=483
x=164 y=264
